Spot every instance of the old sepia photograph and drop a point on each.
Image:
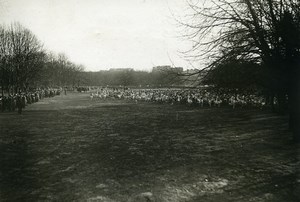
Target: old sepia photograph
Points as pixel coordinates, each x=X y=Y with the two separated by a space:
x=150 y=100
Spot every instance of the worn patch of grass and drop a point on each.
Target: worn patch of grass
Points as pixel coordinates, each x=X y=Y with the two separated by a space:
x=71 y=148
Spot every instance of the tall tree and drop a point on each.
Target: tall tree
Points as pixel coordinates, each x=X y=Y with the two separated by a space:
x=262 y=31
x=4 y=58
x=60 y=71
x=26 y=56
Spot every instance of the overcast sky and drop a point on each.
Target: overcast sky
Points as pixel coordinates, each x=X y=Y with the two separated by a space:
x=103 y=34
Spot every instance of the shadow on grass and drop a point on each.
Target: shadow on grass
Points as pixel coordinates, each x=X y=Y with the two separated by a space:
x=17 y=174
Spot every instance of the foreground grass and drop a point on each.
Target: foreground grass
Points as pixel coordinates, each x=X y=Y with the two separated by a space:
x=70 y=148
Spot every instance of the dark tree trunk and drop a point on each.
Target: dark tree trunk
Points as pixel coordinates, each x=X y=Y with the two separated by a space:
x=281 y=105
x=295 y=117
x=271 y=101
x=2 y=88
x=294 y=105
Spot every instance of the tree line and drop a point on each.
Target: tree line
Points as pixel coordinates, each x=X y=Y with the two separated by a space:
x=25 y=64
x=130 y=78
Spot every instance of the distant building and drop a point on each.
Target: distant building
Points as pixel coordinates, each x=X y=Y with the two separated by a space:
x=120 y=69
x=167 y=68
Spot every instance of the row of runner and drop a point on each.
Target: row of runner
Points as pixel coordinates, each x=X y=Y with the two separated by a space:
x=22 y=99
x=186 y=96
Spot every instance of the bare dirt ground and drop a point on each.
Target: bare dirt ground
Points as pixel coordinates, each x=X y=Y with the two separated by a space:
x=71 y=148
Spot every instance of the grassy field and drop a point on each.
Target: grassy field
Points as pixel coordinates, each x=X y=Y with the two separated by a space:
x=71 y=148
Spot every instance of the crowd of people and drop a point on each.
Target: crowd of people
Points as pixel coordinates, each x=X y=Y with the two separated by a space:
x=193 y=97
x=200 y=97
x=20 y=100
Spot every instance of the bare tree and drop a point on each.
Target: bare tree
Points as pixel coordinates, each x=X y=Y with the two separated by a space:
x=60 y=71
x=24 y=63
x=26 y=56
x=3 y=58
x=266 y=32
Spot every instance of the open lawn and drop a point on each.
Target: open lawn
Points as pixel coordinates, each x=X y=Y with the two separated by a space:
x=71 y=148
